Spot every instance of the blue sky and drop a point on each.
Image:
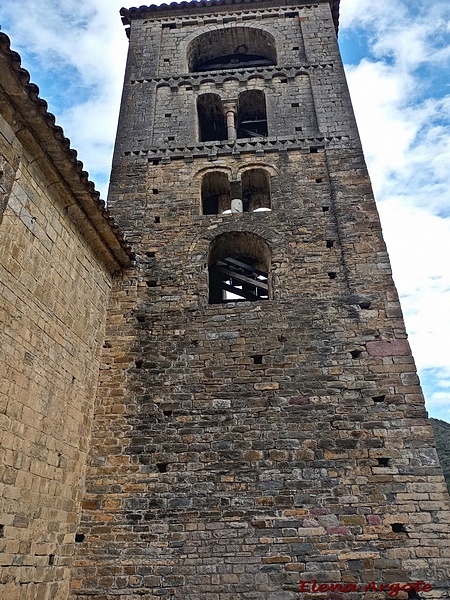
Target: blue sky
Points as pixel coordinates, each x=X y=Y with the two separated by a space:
x=397 y=57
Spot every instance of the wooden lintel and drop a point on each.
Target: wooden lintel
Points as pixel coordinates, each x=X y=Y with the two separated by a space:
x=243 y=278
x=237 y=263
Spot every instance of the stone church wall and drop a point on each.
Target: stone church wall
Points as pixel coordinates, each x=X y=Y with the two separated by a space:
x=54 y=292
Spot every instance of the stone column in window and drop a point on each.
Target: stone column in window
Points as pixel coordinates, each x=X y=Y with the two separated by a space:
x=230 y=113
x=237 y=205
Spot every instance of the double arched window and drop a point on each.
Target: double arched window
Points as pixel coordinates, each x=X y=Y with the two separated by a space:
x=250 y=194
x=239 y=266
x=220 y=121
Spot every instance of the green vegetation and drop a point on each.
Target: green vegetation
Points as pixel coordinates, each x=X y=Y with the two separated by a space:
x=442 y=435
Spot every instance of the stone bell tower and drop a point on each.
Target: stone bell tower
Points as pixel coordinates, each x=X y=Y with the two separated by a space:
x=259 y=419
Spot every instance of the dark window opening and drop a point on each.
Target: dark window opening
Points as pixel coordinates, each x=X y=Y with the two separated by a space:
x=51 y=559
x=79 y=537
x=383 y=461
x=239 y=264
x=216 y=196
x=211 y=118
x=256 y=191
x=379 y=398
x=355 y=353
x=231 y=48
x=332 y=275
x=157 y=220
x=239 y=58
x=237 y=278
x=162 y=467
x=257 y=359
x=398 y=528
x=251 y=114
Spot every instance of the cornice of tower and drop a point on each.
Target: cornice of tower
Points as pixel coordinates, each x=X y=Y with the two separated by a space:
x=217 y=6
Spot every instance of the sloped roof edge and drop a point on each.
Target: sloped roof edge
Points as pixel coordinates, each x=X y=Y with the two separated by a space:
x=64 y=158
x=128 y=14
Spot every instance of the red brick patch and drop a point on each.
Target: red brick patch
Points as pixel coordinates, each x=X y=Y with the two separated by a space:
x=388 y=348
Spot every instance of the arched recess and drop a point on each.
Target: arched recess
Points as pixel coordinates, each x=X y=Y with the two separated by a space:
x=251 y=114
x=216 y=194
x=211 y=118
x=230 y=48
x=239 y=267
x=256 y=190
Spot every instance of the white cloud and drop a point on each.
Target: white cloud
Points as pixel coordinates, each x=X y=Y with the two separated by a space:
x=419 y=245
x=404 y=124
x=86 y=40
x=440 y=399
x=379 y=16
x=439 y=402
x=378 y=95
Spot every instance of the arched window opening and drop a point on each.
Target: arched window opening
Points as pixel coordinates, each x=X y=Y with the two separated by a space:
x=216 y=196
x=251 y=114
x=231 y=48
x=239 y=265
x=256 y=191
x=211 y=118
